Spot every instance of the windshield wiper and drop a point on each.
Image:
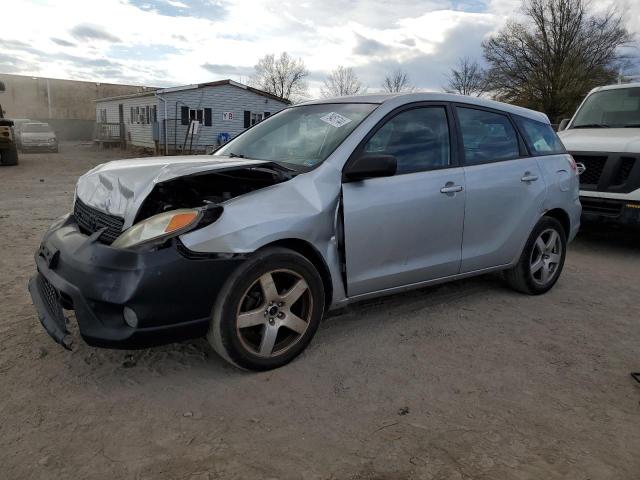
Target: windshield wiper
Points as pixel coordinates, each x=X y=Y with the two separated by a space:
x=236 y=155
x=592 y=125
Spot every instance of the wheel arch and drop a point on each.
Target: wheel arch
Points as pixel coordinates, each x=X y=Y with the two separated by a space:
x=312 y=254
x=561 y=216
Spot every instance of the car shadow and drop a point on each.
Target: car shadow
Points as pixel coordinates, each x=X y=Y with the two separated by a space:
x=601 y=236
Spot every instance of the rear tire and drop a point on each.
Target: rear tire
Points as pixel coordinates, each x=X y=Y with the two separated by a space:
x=542 y=259
x=9 y=156
x=268 y=310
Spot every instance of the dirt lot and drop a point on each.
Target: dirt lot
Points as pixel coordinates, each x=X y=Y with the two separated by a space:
x=467 y=380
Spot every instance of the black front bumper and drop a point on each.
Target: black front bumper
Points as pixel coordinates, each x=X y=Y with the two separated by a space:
x=610 y=210
x=171 y=291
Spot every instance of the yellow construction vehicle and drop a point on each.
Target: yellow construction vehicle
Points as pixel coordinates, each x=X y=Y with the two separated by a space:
x=8 y=147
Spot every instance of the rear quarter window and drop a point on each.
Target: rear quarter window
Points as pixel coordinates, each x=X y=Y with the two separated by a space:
x=540 y=137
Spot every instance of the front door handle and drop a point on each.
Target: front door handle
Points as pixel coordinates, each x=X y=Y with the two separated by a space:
x=451 y=188
x=529 y=177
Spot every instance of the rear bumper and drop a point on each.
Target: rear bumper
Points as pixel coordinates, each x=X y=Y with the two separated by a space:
x=171 y=294
x=610 y=210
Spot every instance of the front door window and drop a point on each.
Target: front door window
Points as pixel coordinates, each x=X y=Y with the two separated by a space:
x=418 y=138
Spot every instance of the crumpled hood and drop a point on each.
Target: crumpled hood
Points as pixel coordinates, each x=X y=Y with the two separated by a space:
x=119 y=187
x=612 y=140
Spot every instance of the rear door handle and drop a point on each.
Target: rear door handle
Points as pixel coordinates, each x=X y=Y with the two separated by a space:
x=528 y=177
x=448 y=188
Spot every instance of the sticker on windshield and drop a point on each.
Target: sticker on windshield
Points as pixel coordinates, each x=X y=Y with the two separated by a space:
x=335 y=119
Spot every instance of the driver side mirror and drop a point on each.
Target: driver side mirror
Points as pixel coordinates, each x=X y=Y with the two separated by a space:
x=370 y=166
x=563 y=124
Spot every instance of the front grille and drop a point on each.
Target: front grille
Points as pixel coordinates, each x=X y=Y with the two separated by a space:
x=624 y=170
x=51 y=299
x=611 y=172
x=601 y=206
x=91 y=220
x=595 y=166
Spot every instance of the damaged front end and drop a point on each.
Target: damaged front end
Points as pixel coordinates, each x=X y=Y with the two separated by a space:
x=176 y=201
x=118 y=262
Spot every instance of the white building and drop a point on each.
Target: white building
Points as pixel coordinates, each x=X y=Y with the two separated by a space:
x=165 y=118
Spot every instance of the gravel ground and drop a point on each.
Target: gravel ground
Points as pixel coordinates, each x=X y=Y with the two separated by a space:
x=466 y=380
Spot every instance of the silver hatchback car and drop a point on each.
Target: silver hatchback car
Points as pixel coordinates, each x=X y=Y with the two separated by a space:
x=323 y=204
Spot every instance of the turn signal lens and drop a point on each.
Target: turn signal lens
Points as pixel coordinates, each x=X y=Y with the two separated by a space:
x=179 y=221
x=158 y=227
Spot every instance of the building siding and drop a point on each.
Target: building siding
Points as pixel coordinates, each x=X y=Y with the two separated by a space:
x=219 y=98
x=138 y=134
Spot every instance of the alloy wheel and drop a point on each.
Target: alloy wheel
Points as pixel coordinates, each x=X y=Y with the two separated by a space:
x=274 y=313
x=546 y=257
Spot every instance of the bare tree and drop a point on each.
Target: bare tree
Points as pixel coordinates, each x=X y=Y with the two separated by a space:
x=283 y=76
x=340 y=82
x=397 y=81
x=550 y=61
x=467 y=78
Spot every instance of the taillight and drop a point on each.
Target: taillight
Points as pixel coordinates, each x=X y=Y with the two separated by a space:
x=573 y=165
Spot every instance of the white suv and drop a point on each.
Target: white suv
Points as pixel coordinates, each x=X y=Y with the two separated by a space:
x=604 y=135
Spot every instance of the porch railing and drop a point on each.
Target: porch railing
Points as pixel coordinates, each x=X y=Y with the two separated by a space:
x=108 y=132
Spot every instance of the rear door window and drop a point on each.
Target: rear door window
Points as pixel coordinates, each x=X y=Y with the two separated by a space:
x=540 y=137
x=418 y=138
x=487 y=136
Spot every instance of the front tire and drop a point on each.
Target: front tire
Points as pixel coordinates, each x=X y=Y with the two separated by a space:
x=542 y=259
x=268 y=310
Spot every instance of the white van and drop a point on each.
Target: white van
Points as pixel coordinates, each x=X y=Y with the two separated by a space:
x=604 y=135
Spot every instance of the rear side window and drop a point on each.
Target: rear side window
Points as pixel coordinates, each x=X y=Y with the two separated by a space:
x=418 y=138
x=540 y=137
x=487 y=136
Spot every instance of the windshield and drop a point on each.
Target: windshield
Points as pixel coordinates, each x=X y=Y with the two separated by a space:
x=617 y=108
x=36 y=128
x=303 y=136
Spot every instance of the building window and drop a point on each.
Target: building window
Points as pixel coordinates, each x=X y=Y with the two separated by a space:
x=256 y=118
x=196 y=114
x=102 y=116
x=251 y=118
x=143 y=115
x=202 y=115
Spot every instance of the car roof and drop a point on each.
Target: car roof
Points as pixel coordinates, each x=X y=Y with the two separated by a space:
x=616 y=86
x=399 y=99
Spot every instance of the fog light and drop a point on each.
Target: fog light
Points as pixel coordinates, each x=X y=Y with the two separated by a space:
x=130 y=317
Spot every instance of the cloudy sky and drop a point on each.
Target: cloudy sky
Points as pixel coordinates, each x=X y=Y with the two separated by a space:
x=174 y=42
